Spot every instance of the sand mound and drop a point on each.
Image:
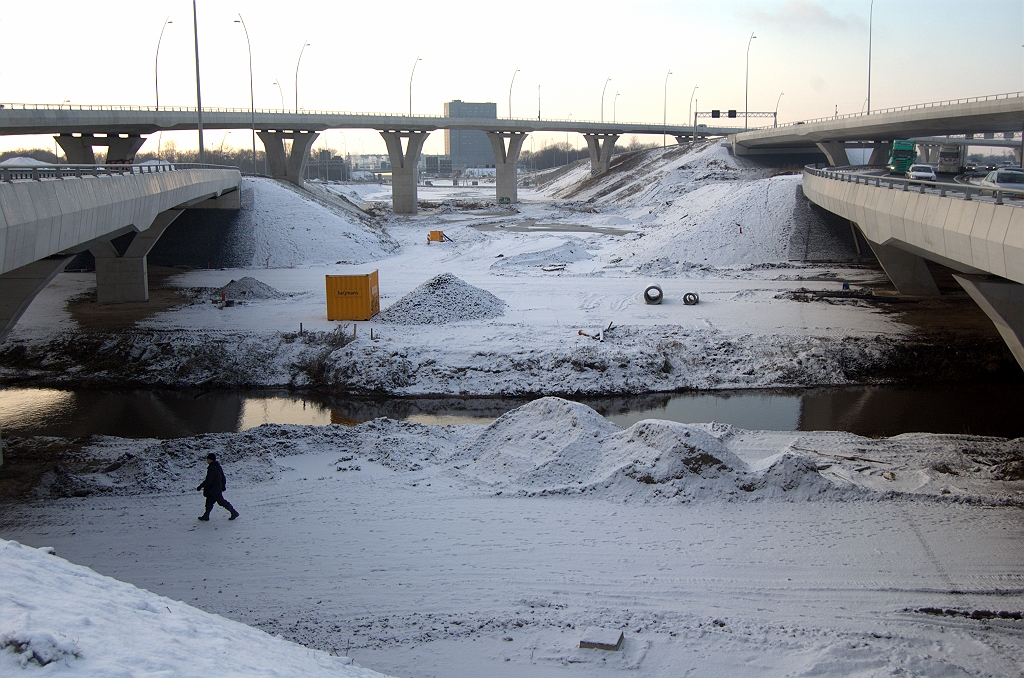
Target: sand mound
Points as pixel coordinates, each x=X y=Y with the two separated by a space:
x=572 y=250
x=249 y=288
x=441 y=300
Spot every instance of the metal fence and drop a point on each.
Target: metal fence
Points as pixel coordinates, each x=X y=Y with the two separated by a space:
x=942 y=188
x=10 y=173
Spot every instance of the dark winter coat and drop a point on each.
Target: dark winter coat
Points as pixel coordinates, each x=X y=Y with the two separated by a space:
x=215 y=482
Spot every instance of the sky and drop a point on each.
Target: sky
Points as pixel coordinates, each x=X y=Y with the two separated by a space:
x=360 y=56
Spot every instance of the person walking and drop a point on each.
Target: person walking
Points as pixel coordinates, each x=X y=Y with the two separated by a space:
x=213 y=487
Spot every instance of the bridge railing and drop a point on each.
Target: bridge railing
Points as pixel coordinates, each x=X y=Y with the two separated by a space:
x=10 y=173
x=897 y=109
x=942 y=188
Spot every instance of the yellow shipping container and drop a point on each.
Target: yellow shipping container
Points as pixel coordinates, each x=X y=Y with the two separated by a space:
x=352 y=297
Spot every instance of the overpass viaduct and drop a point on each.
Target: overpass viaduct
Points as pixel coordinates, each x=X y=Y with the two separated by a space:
x=906 y=222
x=122 y=130
x=1000 y=113
x=50 y=214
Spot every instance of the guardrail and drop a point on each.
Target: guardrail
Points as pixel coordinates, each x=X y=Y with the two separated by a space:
x=944 y=189
x=10 y=173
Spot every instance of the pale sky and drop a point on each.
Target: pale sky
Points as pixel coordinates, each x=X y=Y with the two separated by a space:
x=361 y=54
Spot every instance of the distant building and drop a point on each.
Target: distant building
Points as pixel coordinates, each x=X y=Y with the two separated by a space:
x=469 y=148
x=438 y=165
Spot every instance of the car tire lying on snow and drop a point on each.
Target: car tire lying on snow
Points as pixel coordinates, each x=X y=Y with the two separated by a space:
x=690 y=298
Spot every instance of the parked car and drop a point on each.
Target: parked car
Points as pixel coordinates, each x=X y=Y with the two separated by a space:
x=1006 y=179
x=923 y=172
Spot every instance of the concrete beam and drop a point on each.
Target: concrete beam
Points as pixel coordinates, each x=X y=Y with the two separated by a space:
x=404 y=172
x=19 y=287
x=601 y=147
x=1003 y=303
x=125 y=277
x=505 y=159
x=835 y=152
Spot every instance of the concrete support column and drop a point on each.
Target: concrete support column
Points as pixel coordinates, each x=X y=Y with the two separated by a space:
x=404 y=168
x=505 y=159
x=122 y=150
x=908 y=272
x=835 y=153
x=1017 y=155
x=288 y=166
x=880 y=153
x=78 y=150
x=19 y=287
x=125 y=277
x=601 y=147
x=683 y=139
x=1003 y=302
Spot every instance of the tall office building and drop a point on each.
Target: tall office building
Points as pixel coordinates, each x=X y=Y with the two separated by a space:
x=469 y=148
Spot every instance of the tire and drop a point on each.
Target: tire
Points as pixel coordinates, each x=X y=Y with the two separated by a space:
x=691 y=298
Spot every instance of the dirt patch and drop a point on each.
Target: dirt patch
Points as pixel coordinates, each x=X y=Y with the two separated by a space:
x=94 y=316
x=28 y=460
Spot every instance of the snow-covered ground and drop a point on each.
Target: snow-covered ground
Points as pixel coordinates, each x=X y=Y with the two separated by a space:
x=689 y=221
x=488 y=550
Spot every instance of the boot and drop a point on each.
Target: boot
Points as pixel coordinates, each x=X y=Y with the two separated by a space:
x=205 y=517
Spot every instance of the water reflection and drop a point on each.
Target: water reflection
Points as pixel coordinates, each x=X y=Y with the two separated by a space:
x=870 y=411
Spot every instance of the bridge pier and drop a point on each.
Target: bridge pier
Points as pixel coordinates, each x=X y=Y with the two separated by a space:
x=907 y=271
x=880 y=153
x=125 y=277
x=1003 y=303
x=287 y=166
x=835 y=153
x=120 y=150
x=601 y=147
x=505 y=159
x=404 y=171
x=19 y=287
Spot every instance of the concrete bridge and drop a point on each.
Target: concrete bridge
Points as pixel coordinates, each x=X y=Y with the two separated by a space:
x=50 y=214
x=122 y=130
x=999 y=113
x=906 y=222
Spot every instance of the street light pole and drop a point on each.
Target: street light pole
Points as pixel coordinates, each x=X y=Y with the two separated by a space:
x=510 y=94
x=615 y=102
x=603 y=90
x=199 y=94
x=777 y=108
x=746 y=86
x=871 y=18
x=689 y=110
x=252 y=105
x=156 y=77
x=279 y=91
x=664 y=113
x=304 y=46
x=410 y=83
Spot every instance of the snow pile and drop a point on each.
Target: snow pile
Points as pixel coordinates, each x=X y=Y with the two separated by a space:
x=289 y=228
x=22 y=161
x=54 y=613
x=570 y=251
x=558 y=446
x=249 y=288
x=441 y=300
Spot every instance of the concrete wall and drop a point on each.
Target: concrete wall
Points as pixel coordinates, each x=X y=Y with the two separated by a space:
x=41 y=218
x=967 y=235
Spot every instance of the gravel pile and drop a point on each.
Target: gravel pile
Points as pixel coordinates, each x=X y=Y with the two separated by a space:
x=441 y=300
x=249 y=288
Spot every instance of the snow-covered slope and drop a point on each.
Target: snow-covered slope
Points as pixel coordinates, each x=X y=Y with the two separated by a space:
x=75 y=622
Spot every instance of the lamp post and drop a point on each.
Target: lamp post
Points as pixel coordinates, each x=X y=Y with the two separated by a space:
x=279 y=91
x=156 y=79
x=252 y=105
x=689 y=110
x=567 y=141
x=615 y=102
x=603 y=90
x=746 y=85
x=871 y=18
x=410 y=83
x=510 y=94
x=199 y=92
x=777 y=108
x=304 y=46
x=664 y=112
